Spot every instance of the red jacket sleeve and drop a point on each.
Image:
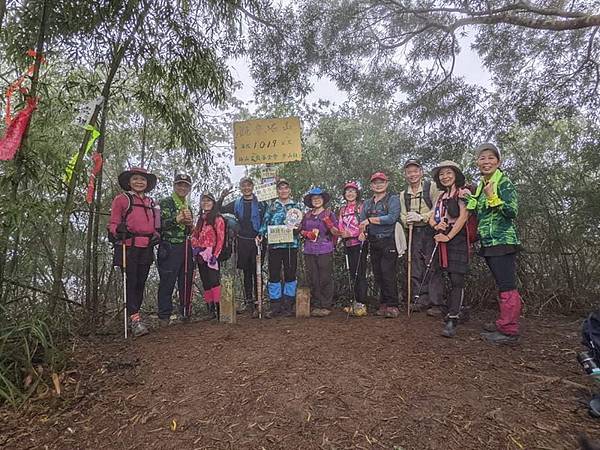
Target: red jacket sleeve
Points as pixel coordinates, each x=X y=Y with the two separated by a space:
x=220 y=229
x=117 y=211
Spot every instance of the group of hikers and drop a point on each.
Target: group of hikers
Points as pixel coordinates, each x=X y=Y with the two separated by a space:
x=434 y=214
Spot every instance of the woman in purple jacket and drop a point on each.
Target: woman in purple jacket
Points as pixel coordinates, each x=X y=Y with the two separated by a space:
x=318 y=227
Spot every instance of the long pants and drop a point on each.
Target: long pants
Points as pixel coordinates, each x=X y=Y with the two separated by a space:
x=172 y=269
x=320 y=274
x=384 y=259
x=246 y=261
x=286 y=258
x=211 y=282
x=504 y=269
x=422 y=248
x=138 y=262
x=358 y=270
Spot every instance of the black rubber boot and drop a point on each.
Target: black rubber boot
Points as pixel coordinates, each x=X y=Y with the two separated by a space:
x=287 y=306
x=449 y=330
x=276 y=308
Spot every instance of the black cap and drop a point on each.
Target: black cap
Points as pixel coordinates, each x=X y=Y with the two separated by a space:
x=182 y=178
x=413 y=162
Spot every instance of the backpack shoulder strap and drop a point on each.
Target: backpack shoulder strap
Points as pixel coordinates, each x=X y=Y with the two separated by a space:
x=427 y=193
x=129 y=206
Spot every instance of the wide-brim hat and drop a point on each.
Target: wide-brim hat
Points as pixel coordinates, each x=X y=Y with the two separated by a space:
x=316 y=191
x=125 y=178
x=460 y=176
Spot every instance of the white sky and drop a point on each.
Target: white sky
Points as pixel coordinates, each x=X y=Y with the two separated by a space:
x=468 y=65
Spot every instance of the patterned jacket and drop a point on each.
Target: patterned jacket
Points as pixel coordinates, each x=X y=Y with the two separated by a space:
x=275 y=215
x=171 y=231
x=496 y=215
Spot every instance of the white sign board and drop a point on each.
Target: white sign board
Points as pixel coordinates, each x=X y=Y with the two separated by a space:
x=280 y=234
x=85 y=111
x=266 y=192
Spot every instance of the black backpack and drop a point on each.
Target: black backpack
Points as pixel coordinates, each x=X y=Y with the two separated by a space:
x=130 y=205
x=590 y=334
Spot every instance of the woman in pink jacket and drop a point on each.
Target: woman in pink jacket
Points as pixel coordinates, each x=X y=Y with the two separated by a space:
x=356 y=250
x=133 y=224
x=208 y=238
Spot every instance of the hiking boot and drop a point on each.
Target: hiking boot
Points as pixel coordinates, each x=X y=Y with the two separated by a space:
x=164 y=323
x=489 y=327
x=500 y=338
x=435 y=311
x=320 y=312
x=287 y=306
x=449 y=330
x=138 y=328
x=276 y=309
x=392 y=312
x=381 y=311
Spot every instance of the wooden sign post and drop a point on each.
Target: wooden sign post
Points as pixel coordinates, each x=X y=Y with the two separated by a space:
x=228 y=310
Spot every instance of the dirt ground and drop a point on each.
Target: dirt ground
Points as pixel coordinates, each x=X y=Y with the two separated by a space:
x=317 y=383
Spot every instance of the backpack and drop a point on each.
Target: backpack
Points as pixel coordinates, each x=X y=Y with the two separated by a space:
x=590 y=334
x=130 y=205
x=426 y=195
x=472 y=222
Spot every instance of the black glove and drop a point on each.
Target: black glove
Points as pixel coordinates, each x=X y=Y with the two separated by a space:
x=122 y=232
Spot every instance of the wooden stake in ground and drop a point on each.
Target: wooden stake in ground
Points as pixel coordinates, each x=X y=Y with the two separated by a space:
x=303 y=302
x=227 y=313
x=409 y=271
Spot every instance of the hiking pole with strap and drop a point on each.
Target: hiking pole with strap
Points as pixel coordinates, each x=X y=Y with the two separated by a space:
x=351 y=285
x=259 y=298
x=427 y=270
x=124 y=271
x=409 y=271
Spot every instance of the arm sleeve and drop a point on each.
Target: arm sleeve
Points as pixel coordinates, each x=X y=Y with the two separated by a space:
x=220 y=232
x=229 y=208
x=403 y=210
x=167 y=216
x=117 y=209
x=393 y=211
x=363 y=212
x=508 y=195
x=264 y=223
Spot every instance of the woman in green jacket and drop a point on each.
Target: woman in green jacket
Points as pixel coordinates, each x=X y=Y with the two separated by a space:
x=495 y=203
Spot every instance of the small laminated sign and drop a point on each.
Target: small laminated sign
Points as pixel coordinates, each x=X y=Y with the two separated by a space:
x=85 y=111
x=280 y=234
x=266 y=192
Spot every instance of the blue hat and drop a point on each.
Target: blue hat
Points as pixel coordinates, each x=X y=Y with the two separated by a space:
x=316 y=191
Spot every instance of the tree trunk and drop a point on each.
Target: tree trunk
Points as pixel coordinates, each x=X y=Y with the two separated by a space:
x=61 y=246
x=96 y=230
x=2 y=12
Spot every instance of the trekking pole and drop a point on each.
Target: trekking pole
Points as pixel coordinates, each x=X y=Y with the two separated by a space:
x=351 y=285
x=124 y=270
x=409 y=271
x=186 y=268
x=259 y=299
x=427 y=269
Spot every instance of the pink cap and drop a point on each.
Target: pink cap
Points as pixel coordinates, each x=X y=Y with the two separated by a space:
x=379 y=176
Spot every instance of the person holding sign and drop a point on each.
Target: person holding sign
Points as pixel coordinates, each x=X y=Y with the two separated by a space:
x=208 y=238
x=318 y=227
x=280 y=225
x=249 y=212
x=378 y=222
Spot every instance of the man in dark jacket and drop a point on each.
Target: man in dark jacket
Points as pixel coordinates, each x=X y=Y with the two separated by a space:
x=249 y=212
x=175 y=264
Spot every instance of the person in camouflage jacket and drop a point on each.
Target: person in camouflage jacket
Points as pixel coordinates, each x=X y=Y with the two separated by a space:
x=174 y=262
x=496 y=206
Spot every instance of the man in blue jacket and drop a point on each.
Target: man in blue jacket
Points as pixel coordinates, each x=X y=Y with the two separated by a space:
x=249 y=212
x=378 y=221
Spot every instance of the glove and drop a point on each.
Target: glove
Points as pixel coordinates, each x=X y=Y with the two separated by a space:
x=122 y=232
x=155 y=239
x=196 y=251
x=328 y=222
x=213 y=260
x=311 y=235
x=413 y=217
